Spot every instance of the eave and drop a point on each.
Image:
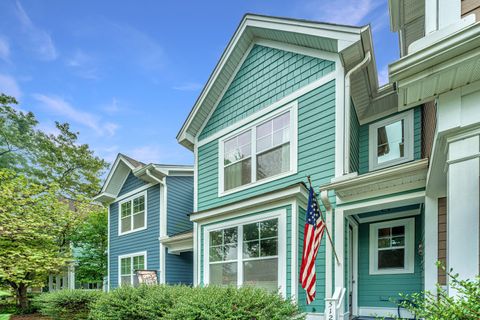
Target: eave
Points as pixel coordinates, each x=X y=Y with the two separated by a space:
x=179 y=243
x=401 y=178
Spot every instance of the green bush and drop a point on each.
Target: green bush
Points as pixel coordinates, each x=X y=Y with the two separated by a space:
x=67 y=304
x=465 y=305
x=181 y=302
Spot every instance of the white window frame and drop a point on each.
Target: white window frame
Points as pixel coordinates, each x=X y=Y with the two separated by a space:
x=409 y=248
x=293 y=109
x=130 y=255
x=281 y=215
x=130 y=199
x=408 y=143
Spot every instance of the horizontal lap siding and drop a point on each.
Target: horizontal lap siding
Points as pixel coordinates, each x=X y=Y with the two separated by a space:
x=266 y=76
x=145 y=240
x=316 y=151
x=130 y=184
x=179 y=268
x=179 y=204
x=417 y=140
x=373 y=290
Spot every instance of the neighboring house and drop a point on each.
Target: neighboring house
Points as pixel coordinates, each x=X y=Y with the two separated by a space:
x=148 y=221
x=396 y=167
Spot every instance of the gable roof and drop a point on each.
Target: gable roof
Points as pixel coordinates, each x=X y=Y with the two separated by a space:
x=321 y=36
x=124 y=165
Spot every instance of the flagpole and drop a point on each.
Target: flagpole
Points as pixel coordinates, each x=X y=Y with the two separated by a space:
x=324 y=221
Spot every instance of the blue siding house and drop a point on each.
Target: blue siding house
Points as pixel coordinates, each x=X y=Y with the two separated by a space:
x=148 y=221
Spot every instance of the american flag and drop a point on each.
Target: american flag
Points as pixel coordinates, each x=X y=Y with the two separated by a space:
x=313 y=233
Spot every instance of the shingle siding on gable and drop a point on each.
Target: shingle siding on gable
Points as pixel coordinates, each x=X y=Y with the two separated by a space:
x=266 y=76
x=316 y=151
x=144 y=240
x=179 y=203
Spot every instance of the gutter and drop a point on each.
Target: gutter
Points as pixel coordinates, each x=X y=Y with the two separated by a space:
x=147 y=172
x=346 y=119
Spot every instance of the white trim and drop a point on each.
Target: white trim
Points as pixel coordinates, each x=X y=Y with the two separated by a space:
x=130 y=255
x=383 y=312
x=134 y=192
x=390 y=216
x=163 y=229
x=339 y=234
x=339 y=117
x=112 y=171
x=409 y=247
x=195 y=177
x=431 y=244
x=294 y=252
x=196 y=255
x=354 y=224
x=408 y=140
x=282 y=244
x=108 y=248
x=315 y=53
x=328 y=257
x=292 y=108
x=285 y=100
x=130 y=199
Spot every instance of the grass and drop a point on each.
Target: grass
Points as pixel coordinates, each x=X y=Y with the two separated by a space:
x=4 y=316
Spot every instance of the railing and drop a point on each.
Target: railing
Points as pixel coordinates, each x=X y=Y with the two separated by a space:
x=334 y=303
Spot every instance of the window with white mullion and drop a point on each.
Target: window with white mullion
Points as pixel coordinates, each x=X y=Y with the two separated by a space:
x=132 y=214
x=129 y=265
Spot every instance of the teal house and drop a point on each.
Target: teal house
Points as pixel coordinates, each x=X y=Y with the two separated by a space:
x=396 y=167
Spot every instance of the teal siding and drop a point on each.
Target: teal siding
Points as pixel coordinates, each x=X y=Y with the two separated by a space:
x=354 y=139
x=266 y=76
x=316 y=151
x=144 y=240
x=179 y=204
x=130 y=184
x=378 y=290
x=417 y=144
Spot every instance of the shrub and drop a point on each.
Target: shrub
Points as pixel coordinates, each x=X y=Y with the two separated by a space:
x=67 y=304
x=465 y=305
x=181 y=302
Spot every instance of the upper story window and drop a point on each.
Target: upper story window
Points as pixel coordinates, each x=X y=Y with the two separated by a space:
x=392 y=246
x=133 y=216
x=391 y=141
x=260 y=153
x=129 y=265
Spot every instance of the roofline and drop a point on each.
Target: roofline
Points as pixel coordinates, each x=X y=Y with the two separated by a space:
x=356 y=30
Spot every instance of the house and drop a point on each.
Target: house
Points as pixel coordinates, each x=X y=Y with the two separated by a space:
x=148 y=223
x=396 y=167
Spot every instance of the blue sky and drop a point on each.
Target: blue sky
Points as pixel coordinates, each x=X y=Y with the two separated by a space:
x=125 y=74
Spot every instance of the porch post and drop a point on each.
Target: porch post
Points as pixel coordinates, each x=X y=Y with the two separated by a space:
x=431 y=243
x=463 y=205
x=339 y=248
x=50 y=283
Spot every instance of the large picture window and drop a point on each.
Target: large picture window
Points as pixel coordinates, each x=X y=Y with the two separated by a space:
x=391 y=141
x=129 y=264
x=133 y=216
x=392 y=247
x=247 y=254
x=259 y=153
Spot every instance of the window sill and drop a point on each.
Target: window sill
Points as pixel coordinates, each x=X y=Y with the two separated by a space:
x=256 y=183
x=390 y=271
x=390 y=163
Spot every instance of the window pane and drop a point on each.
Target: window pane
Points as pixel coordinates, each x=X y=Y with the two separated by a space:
x=261 y=273
x=390 y=141
x=216 y=253
x=384 y=232
x=126 y=280
x=250 y=232
x=394 y=258
x=398 y=241
x=281 y=136
x=230 y=252
x=384 y=243
x=238 y=174
x=223 y=274
x=126 y=266
x=126 y=209
x=264 y=129
x=139 y=204
x=264 y=143
x=268 y=228
x=268 y=247
x=216 y=238
x=230 y=235
x=139 y=263
x=237 y=148
x=139 y=220
x=126 y=224
x=398 y=231
x=251 y=249
x=281 y=121
x=273 y=162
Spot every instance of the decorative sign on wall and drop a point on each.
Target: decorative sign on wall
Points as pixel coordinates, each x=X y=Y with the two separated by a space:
x=148 y=277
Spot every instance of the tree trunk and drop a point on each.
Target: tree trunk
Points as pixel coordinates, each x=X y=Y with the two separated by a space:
x=22 y=297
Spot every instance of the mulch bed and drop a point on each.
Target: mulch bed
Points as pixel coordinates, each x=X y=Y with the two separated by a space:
x=29 y=317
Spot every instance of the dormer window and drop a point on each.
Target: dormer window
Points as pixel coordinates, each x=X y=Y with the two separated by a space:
x=391 y=141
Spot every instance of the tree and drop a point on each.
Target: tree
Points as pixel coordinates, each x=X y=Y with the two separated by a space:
x=34 y=227
x=47 y=158
x=91 y=242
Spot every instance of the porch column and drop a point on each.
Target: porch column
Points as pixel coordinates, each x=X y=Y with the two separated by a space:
x=50 y=283
x=463 y=205
x=339 y=248
x=57 y=282
x=71 y=276
x=431 y=243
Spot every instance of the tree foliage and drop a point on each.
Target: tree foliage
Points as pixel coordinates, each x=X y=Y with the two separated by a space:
x=47 y=158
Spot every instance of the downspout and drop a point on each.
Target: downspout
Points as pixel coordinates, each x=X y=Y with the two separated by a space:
x=346 y=122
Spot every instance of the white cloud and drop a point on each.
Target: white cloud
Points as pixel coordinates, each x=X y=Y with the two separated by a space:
x=341 y=11
x=38 y=39
x=4 y=49
x=9 y=86
x=59 y=107
x=189 y=86
x=112 y=108
x=83 y=65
